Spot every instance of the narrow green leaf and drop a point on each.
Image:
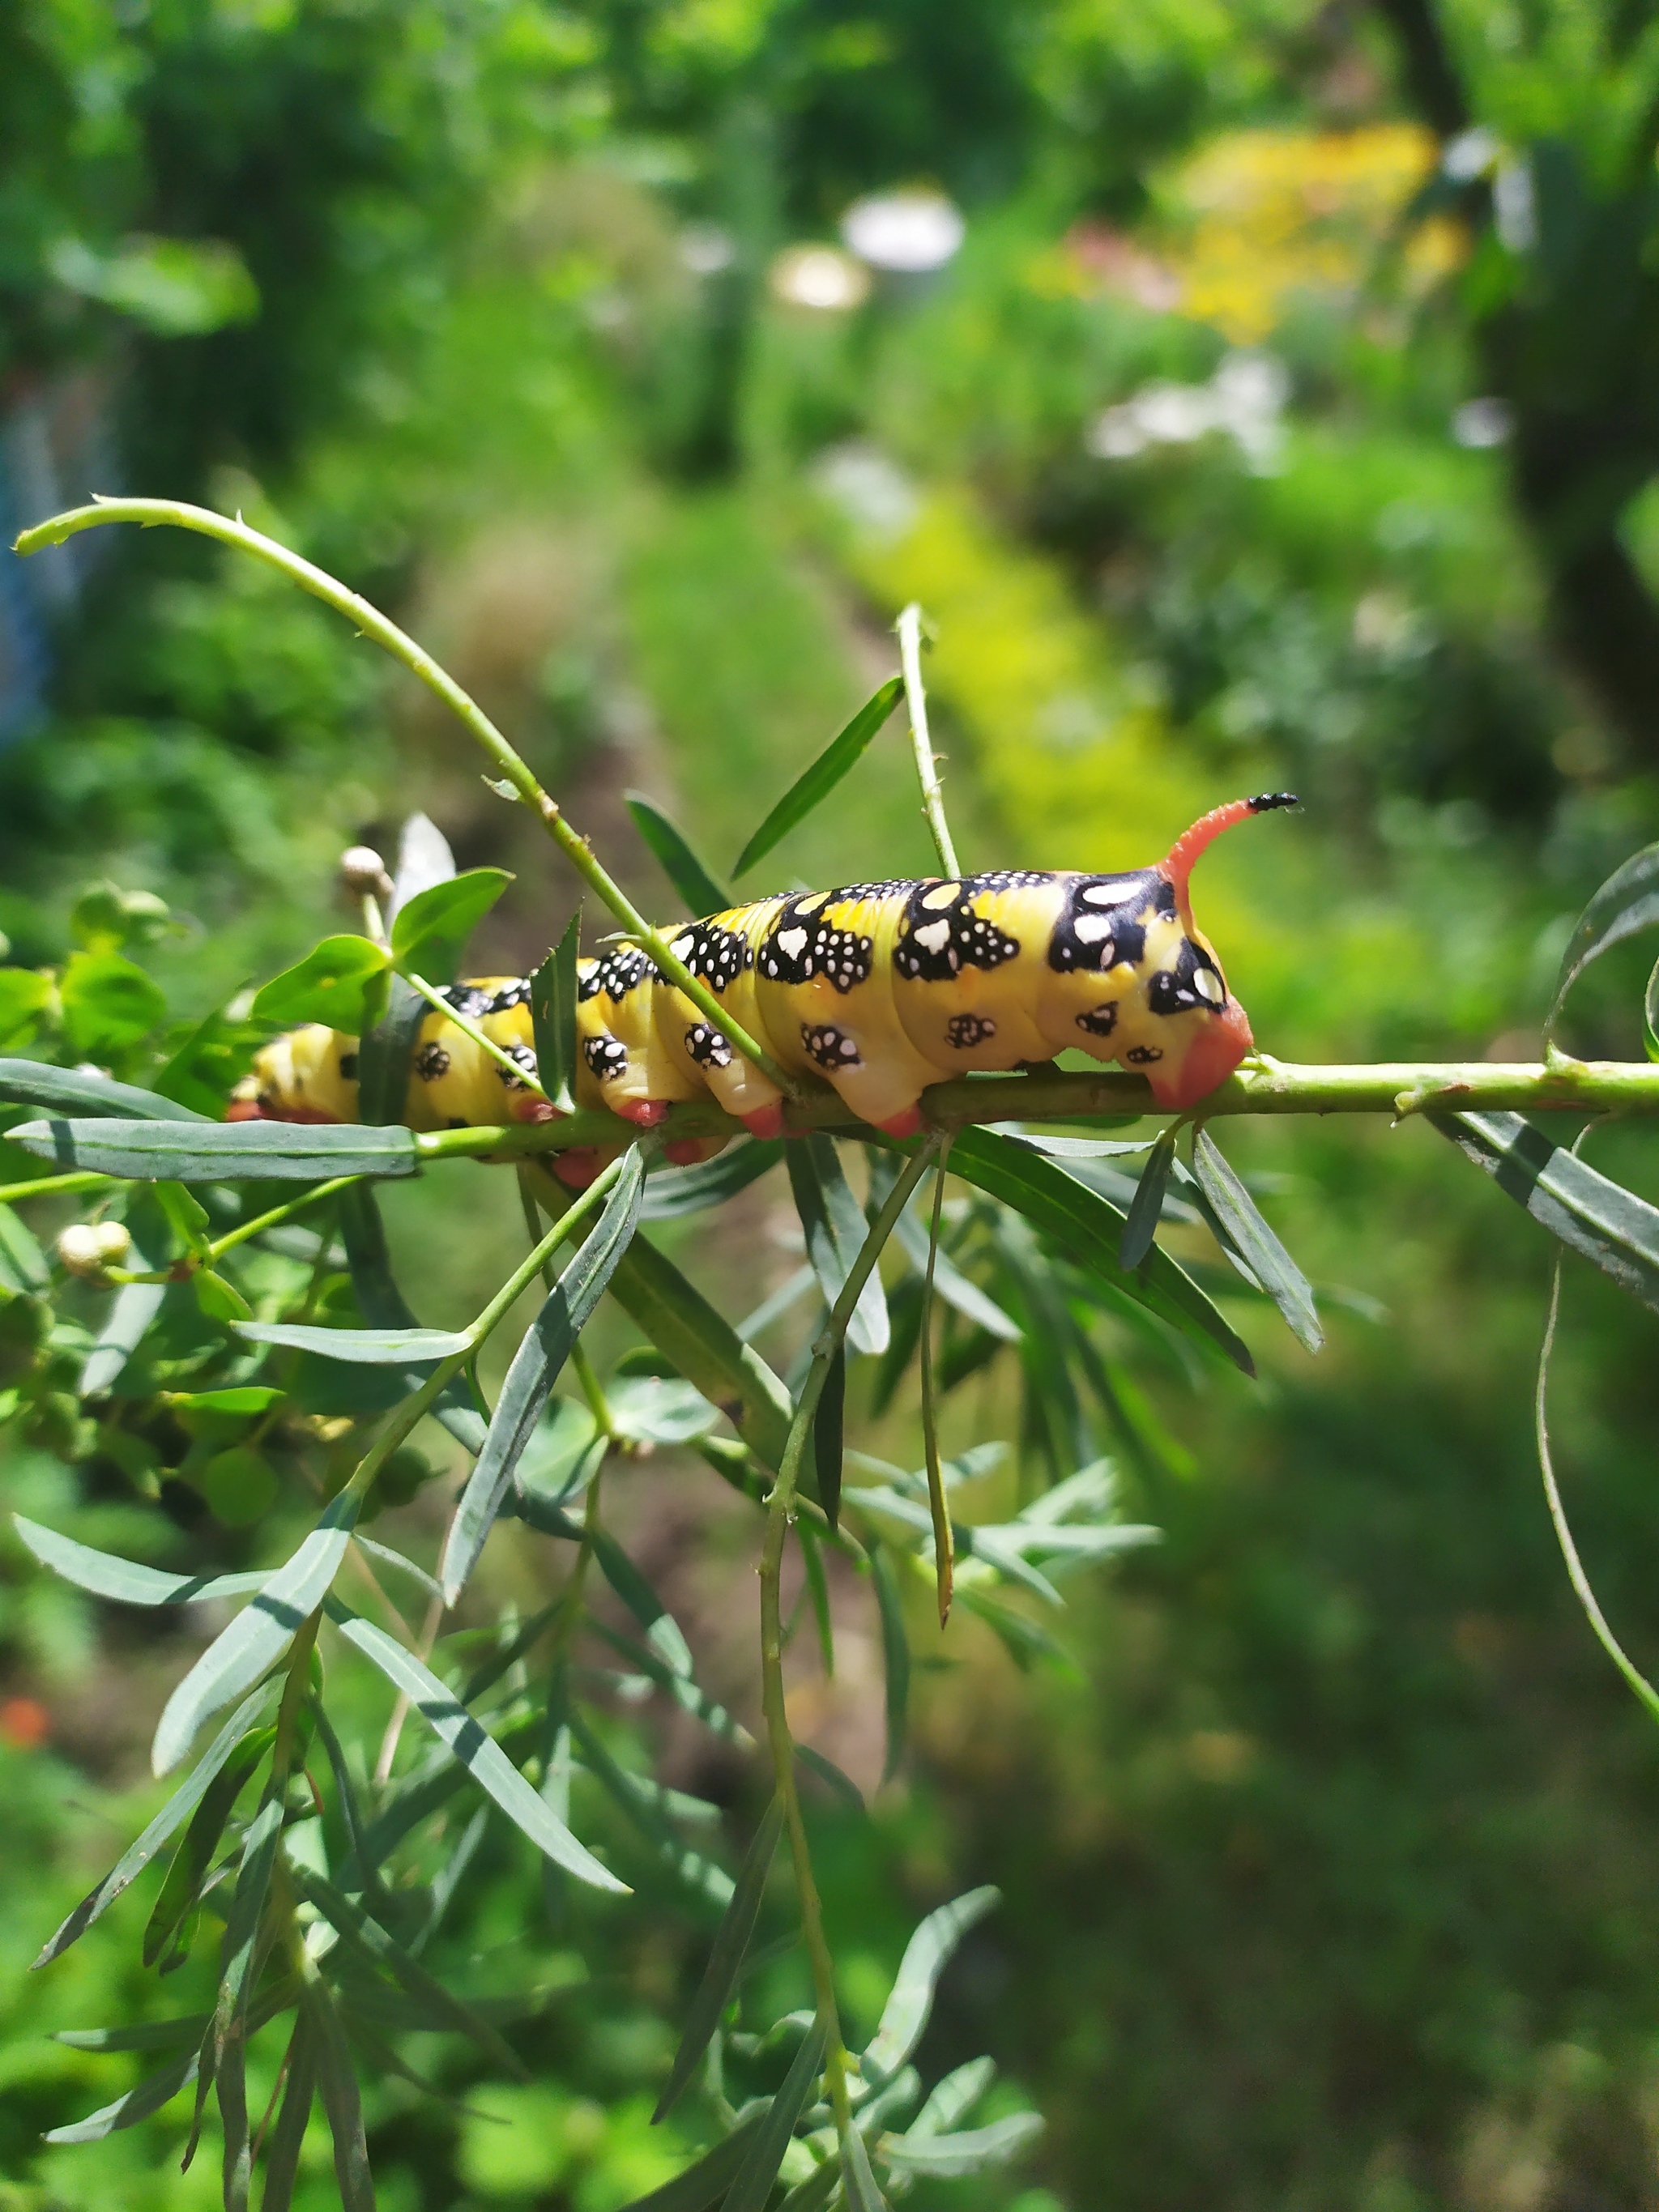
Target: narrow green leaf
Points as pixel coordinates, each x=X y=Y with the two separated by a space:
x=818 y=1589
x=171 y=1818
x=829 y=1437
x=327 y=986
x=1610 y=1225
x=245 y=1400
x=182 y=1885
x=376 y=1947
x=828 y=1772
x=553 y=1017
x=260 y=1633
x=705 y=2183
x=22 y=1263
x=731 y=1945
x=1651 y=1015
x=1023 y=1639
x=1627 y=903
x=536 y=1367
x=673 y=855
x=423 y=858
x=816 y=783
x=283 y=2159
x=672 y=1193
x=360 y=1347
x=950 y=2156
x=952 y=2099
x=77 y=1090
x=218 y=1299
x=139 y=2035
x=759 y=2170
x=429 y=931
x=833 y=1224
x=1271 y=1264
x=336 y=2078
x=703 y=1345
x=482 y=1756
x=862 y=2193
x=678 y=1684
x=385 y=1553
x=926 y=1956
x=147 y=2097
x=133 y=1311
x=222 y=1151
x=895 y=1654
x=239 y=1952
x=386 y=1046
x=662 y=1630
x=382 y=1305
x=1089 y=1228
x=1147 y=1208
x=650 y=1809
x=124 y=1580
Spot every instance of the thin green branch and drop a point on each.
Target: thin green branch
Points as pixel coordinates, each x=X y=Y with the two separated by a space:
x=779 y=1511
x=939 y=1505
x=49 y=1186
x=502 y=1058
x=1397 y=1089
x=371 y=622
x=932 y=798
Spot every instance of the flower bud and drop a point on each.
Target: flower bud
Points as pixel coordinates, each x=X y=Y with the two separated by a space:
x=90 y=1248
x=363 y=873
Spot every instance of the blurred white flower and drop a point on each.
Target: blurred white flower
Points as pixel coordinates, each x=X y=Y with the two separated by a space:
x=820 y=277
x=1244 y=400
x=706 y=249
x=910 y=232
x=1482 y=423
x=872 y=492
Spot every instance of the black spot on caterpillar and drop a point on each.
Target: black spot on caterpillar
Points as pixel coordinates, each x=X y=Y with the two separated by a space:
x=877 y=989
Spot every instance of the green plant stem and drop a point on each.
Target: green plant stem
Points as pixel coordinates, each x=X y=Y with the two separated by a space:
x=470 y=1028
x=277 y=1214
x=46 y=1186
x=1398 y=1090
x=779 y=1510
x=371 y=622
x=932 y=798
x=938 y=1504
x=1635 y=1680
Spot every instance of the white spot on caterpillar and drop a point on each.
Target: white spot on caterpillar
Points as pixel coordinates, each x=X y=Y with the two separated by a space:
x=943 y=896
x=1208 y=984
x=935 y=937
x=791 y=942
x=683 y=945
x=1103 y=895
x=1092 y=929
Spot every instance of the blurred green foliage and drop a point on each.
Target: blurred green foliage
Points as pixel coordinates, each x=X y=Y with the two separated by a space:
x=1333 y=1884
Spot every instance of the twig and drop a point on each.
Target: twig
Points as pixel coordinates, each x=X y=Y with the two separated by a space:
x=932 y=798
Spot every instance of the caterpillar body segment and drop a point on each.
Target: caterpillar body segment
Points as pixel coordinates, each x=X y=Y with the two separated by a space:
x=878 y=989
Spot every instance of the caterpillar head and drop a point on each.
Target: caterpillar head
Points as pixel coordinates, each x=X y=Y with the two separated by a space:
x=1204 y=1032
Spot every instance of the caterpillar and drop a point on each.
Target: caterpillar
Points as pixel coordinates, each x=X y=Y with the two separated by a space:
x=877 y=989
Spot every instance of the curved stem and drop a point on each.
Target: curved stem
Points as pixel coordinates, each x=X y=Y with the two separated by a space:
x=932 y=798
x=371 y=622
x=779 y=1511
x=1635 y=1682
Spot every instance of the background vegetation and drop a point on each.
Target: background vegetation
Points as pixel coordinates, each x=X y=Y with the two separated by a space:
x=1287 y=417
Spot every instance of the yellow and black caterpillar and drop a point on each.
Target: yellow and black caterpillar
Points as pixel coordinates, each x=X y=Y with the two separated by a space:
x=879 y=989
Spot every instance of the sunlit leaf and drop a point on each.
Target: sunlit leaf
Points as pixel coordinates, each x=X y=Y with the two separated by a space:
x=147 y=2097
x=124 y=1580
x=430 y=931
x=107 y=1002
x=478 y=1752
x=911 y=2002
x=258 y=1636
x=77 y=1090
x=726 y=1958
x=814 y=784
x=191 y=1861
x=701 y=895
x=132 y=1312
x=327 y=986
x=25 y=995
x=536 y=1367
x=1610 y=1225
x=360 y=1347
x=862 y=2192
x=948 y=2156
x=952 y=2099
x=423 y=858
x=1271 y=1264
x=231 y=1151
